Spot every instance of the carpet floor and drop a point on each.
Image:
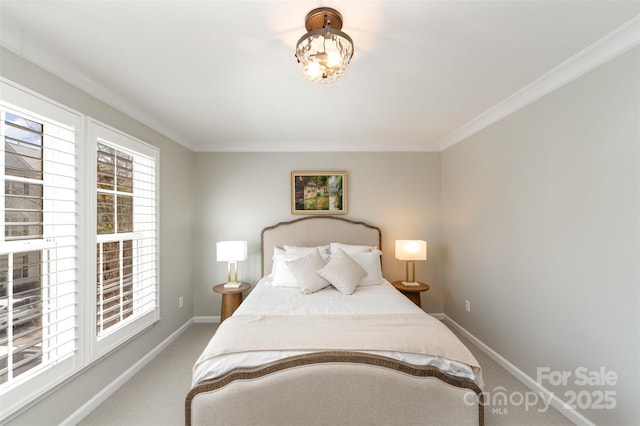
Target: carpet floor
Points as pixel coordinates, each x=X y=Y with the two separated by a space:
x=155 y=396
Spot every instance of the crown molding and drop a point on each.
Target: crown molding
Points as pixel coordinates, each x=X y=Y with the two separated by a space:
x=313 y=147
x=12 y=39
x=607 y=48
x=602 y=51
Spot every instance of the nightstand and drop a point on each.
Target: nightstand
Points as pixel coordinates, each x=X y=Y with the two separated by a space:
x=231 y=298
x=412 y=292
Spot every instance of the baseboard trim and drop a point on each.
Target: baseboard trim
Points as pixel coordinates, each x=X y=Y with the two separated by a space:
x=112 y=387
x=206 y=320
x=564 y=409
x=439 y=316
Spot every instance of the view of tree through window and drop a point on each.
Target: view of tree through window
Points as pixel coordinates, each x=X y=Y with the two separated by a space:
x=114 y=254
x=115 y=186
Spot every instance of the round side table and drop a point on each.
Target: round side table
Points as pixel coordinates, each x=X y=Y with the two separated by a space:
x=231 y=298
x=412 y=292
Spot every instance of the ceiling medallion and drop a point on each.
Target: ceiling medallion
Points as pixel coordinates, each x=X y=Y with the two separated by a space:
x=324 y=51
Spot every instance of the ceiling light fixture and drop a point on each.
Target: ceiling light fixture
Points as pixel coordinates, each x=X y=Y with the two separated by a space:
x=324 y=51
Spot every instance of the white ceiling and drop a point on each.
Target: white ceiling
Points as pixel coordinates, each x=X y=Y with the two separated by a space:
x=221 y=75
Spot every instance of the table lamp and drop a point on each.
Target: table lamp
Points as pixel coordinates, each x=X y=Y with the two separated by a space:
x=411 y=250
x=232 y=252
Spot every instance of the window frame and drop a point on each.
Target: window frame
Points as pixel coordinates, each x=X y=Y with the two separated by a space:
x=41 y=379
x=20 y=394
x=98 y=131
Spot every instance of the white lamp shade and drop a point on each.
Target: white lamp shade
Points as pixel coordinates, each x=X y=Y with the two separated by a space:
x=411 y=250
x=231 y=251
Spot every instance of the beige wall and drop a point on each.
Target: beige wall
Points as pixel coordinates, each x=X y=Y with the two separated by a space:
x=238 y=194
x=541 y=229
x=175 y=241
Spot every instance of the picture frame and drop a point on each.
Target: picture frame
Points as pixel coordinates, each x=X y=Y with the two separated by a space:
x=318 y=192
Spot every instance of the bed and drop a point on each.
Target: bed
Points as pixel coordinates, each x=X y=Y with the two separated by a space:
x=297 y=354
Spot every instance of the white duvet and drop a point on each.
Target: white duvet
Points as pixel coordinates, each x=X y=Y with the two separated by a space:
x=266 y=299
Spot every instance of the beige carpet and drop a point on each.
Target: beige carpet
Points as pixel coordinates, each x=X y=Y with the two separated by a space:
x=155 y=396
x=495 y=379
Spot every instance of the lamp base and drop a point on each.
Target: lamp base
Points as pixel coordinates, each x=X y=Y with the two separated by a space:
x=410 y=283
x=230 y=284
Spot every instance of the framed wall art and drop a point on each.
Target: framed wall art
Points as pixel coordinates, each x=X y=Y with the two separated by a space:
x=318 y=192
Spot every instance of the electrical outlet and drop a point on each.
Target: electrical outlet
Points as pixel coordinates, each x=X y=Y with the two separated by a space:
x=467 y=306
x=180 y=302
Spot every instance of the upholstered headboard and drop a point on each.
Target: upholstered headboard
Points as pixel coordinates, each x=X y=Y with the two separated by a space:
x=316 y=231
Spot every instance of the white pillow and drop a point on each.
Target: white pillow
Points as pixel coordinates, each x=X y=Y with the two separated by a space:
x=323 y=250
x=343 y=272
x=281 y=274
x=350 y=249
x=370 y=262
x=304 y=270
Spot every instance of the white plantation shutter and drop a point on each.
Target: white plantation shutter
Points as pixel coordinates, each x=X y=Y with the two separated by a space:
x=53 y=231
x=145 y=226
x=57 y=231
x=127 y=280
x=38 y=244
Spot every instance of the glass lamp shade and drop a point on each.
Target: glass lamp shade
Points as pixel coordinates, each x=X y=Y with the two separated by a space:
x=324 y=54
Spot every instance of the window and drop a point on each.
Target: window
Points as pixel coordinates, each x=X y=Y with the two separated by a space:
x=21 y=281
x=78 y=256
x=115 y=237
x=126 y=284
x=38 y=244
x=37 y=325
